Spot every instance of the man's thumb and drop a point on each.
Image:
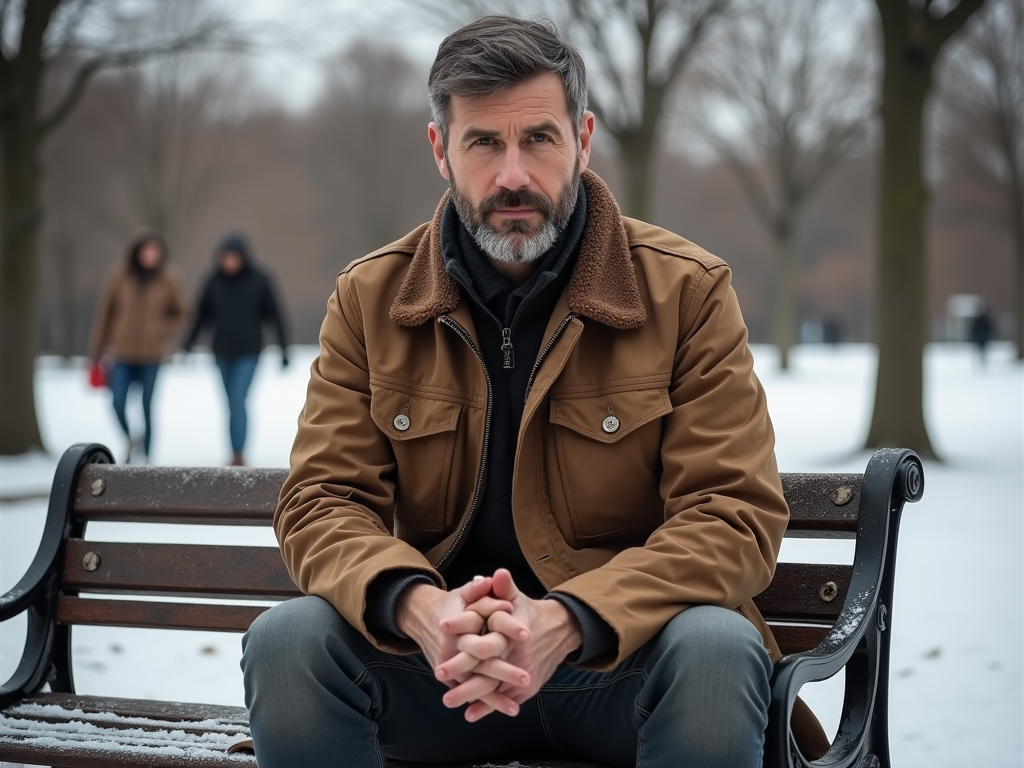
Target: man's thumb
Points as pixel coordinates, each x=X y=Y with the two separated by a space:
x=479 y=587
x=502 y=586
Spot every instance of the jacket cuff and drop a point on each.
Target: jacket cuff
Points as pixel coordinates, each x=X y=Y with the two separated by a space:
x=383 y=594
x=598 y=636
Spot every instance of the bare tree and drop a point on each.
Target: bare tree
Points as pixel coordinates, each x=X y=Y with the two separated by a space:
x=97 y=35
x=796 y=104
x=913 y=34
x=981 y=123
x=637 y=50
x=174 y=148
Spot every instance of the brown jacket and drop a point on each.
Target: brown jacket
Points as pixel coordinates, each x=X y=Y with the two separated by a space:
x=135 y=322
x=680 y=505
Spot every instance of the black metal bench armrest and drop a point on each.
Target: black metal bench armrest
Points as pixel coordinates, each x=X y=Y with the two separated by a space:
x=36 y=593
x=858 y=640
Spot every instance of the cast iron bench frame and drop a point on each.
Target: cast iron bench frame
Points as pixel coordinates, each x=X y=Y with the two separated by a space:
x=825 y=617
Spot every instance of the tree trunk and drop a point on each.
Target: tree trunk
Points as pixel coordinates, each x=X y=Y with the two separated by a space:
x=637 y=154
x=1018 y=255
x=19 y=223
x=784 y=311
x=900 y=274
x=64 y=252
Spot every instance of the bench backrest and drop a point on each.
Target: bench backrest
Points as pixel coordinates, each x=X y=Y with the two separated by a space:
x=802 y=602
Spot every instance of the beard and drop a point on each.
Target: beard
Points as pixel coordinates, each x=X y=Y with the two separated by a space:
x=516 y=241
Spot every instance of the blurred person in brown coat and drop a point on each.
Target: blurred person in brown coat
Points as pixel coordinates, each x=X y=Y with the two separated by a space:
x=141 y=309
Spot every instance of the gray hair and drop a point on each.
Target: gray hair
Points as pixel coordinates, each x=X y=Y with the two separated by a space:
x=496 y=51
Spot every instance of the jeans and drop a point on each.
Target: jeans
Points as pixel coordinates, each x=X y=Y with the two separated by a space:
x=319 y=694
x=237 y=373
x=121 y=377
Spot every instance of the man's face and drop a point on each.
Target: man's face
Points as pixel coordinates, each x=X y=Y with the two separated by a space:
x=230 y=263
x=513 y=161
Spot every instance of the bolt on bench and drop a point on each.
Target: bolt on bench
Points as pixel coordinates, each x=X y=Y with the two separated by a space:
x=825 y=617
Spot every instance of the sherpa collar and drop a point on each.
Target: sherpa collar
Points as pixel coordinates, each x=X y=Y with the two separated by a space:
x=603 y=285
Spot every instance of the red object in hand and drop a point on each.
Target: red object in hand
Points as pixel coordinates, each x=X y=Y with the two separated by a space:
x=98 y=375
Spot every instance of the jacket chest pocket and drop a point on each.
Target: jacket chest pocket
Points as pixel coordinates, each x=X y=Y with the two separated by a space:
x=609 y=461
x=423 y=434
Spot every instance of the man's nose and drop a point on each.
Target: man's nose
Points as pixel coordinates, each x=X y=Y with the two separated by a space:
x=512 y=174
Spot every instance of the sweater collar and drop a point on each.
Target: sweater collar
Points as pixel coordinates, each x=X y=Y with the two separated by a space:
x=603 y=285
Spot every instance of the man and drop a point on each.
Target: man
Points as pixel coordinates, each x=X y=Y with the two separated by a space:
x=533 y=487
x=237 y=300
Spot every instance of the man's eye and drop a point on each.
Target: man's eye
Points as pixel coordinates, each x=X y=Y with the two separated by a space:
x=484 y=141
x=538 y=138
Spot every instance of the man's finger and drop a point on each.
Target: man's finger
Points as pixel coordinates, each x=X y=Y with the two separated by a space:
x=457 y=668
x=501 y=670
x=502 y=585
x=508 y=625
x=475 y=688
x=492 y=702
x=487 y=605
x=483 y=646
x=473 y=590
x=464 y=623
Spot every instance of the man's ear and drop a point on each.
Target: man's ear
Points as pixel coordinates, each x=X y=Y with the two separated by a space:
x=585 y=138
x=437 y=145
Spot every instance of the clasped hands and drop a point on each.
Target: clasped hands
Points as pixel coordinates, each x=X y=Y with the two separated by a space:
x=493 y=646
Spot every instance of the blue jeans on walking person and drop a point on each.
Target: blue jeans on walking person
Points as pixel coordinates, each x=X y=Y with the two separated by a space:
x=319 y=694
x=120 y=380
x=237 y=373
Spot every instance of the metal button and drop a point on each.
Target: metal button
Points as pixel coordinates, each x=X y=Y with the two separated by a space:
x=91 y=561
x=99 y=485
x=610 y=424
x=402 y=422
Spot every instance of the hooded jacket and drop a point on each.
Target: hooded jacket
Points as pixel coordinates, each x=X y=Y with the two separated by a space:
x=644 y=475
x=237 y=306
x=138 y=314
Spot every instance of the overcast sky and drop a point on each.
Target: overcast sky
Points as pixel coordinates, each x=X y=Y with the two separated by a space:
x=321 y=28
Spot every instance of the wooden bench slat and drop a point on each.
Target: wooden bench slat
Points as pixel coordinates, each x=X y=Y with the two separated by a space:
x=152 y=615
x=144 y=708
x=173 y=569
x=227 y=496
x=794 y=639
x=90 y=732
x=796 y=592
x=814 y=505
x=201 y=495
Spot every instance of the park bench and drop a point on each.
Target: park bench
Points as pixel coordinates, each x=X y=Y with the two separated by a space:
x=826 y=617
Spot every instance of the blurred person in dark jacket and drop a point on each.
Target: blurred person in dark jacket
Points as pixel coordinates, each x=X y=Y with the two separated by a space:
x=981 y=332
x=237 y=300
x=142 y=307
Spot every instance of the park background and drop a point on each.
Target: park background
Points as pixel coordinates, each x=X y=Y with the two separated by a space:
x=305 y=129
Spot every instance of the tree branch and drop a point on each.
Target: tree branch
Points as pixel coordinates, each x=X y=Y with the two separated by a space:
x=756 y=194
x=128 y=57
x=945 y=27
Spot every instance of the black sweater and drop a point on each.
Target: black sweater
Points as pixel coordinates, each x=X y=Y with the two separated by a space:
x=237 y=306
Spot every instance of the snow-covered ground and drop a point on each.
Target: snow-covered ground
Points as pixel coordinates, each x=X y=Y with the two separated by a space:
x=957 y=688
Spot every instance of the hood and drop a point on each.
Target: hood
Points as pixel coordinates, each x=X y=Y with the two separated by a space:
x=235 y=242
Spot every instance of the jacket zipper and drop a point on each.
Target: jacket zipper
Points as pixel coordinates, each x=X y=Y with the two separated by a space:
x=506 y=349
x=464 y=334
x=544 y=351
